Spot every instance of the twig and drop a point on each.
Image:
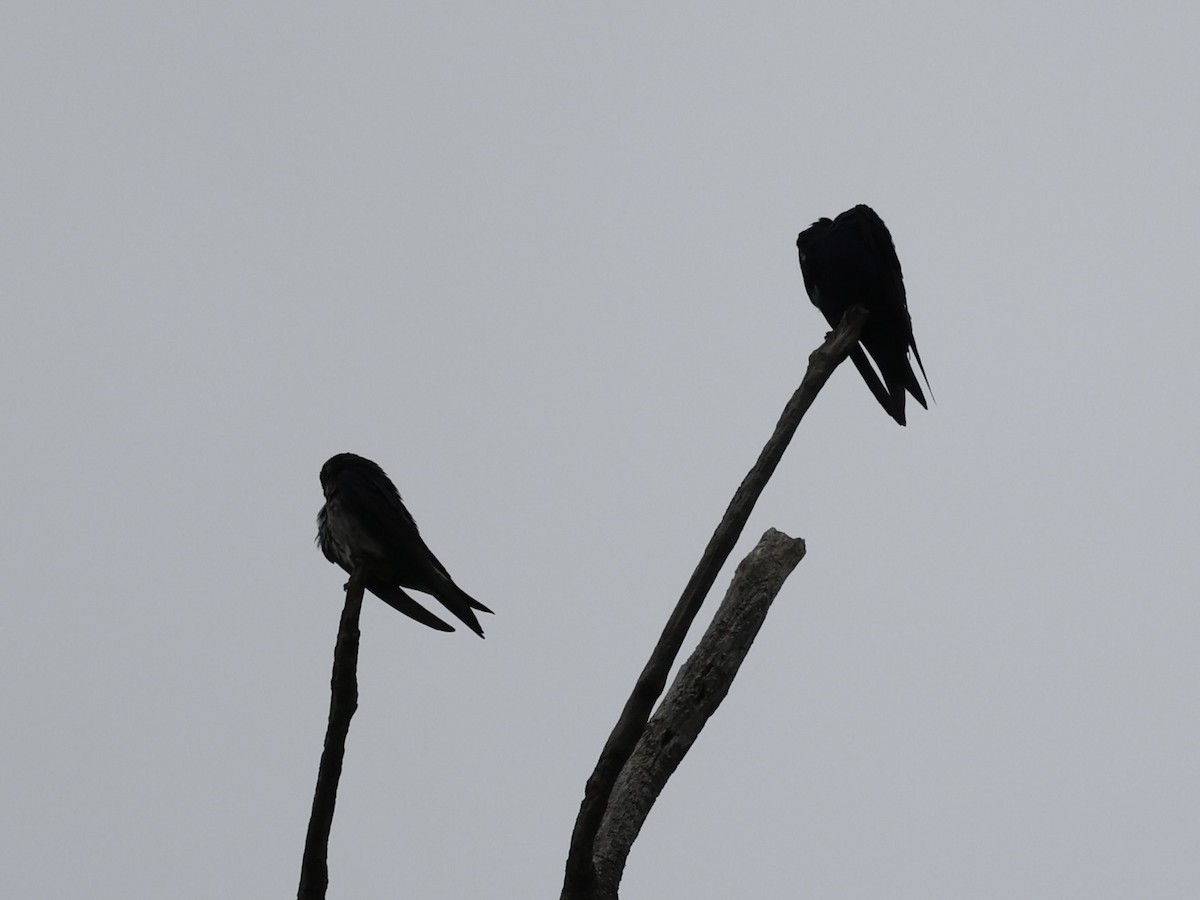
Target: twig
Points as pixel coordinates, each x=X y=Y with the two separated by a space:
x=343 y=701
x=580 y=878
x=699 y=687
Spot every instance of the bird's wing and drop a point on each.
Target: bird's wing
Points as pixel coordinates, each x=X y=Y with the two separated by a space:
x=879 y=239
x=875 y=236
x=375 y=503
x=397 y=599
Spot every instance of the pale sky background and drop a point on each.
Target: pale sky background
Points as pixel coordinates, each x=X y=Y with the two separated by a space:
x=537 y=261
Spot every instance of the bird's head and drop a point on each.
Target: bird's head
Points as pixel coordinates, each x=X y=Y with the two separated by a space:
x=815 y=231
x=336 y=465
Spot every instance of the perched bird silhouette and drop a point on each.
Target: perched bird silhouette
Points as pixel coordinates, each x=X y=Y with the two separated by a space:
x=364 y=523
x=850 y=260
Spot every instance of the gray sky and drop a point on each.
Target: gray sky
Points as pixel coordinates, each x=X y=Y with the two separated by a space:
x=538 y=262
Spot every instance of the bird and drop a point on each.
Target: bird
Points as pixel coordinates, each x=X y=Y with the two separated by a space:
x=364 y=523
x=852 y=260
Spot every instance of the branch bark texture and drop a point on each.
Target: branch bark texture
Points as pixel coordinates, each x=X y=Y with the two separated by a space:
x=343 y=701
x=699 y=687
x=580 y=879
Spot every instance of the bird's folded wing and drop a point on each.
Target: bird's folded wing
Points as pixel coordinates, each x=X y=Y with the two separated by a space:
x=397 y=599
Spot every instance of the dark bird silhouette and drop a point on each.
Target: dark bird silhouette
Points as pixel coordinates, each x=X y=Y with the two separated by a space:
x=850 y=260
x=364 y=523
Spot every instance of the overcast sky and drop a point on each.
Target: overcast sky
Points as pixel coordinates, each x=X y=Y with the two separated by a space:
x=537 y=261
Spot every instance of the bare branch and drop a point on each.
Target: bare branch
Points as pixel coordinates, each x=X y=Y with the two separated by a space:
x=343 y=701
x=580 y=879
x=698 y=689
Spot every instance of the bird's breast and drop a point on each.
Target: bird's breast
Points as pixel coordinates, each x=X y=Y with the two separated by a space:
x=347 y=539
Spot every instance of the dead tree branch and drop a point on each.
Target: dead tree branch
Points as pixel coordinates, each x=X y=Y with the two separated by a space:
x=580 y=879
x=698 y=689
x=343 y=701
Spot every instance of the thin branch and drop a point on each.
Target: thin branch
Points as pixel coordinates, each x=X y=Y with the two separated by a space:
x=343 y=701
x=580 y=878
x=698 y=689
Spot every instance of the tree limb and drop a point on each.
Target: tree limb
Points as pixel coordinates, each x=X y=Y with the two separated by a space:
x=343 y=701
x=580 y=878
x=699 y=687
